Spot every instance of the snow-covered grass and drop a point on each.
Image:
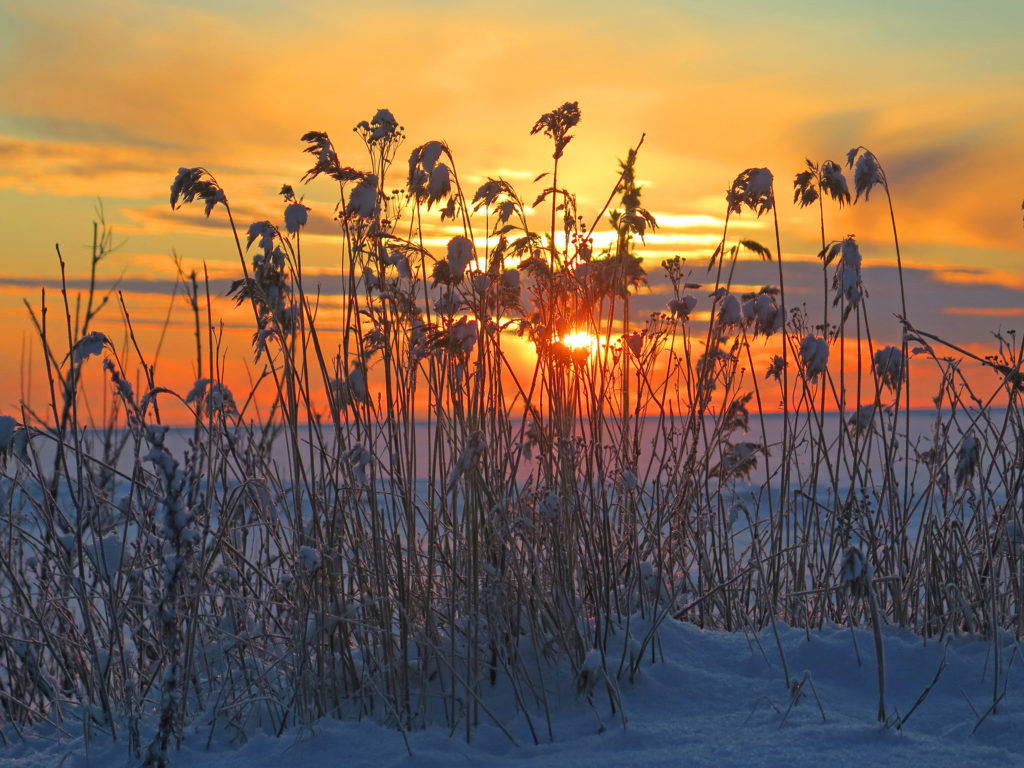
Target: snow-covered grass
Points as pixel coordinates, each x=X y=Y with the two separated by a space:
x=412 y=536
x=710 y=698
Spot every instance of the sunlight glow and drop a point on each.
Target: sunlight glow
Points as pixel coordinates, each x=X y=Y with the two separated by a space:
x=577 y=339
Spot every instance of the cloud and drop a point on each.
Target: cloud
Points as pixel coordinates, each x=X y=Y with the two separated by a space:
x=985 y=311
x=49 y=127
x=35 y=166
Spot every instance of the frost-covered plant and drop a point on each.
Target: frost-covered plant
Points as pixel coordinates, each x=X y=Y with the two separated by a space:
x=889 y=366
x=179 y=538
x=810 y=185
x=847 y=281
x=762 y=312
x=753 y=188
x=813 y=356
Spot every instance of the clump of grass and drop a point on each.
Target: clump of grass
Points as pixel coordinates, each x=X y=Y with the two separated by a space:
x=402 y=514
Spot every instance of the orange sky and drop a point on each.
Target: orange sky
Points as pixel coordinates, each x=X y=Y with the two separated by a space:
x=107 y=99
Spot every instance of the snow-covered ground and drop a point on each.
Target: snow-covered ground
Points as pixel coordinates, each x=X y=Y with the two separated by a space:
x=714 y=699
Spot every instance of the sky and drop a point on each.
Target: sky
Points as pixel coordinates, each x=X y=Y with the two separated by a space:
x=101 y=102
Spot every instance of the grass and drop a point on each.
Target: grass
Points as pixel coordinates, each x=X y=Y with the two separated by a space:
x=402 y=515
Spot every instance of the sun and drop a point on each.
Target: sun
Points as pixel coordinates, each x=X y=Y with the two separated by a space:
x=577 y=339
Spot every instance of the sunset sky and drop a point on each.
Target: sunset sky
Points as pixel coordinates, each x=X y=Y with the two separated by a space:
x=105 y=100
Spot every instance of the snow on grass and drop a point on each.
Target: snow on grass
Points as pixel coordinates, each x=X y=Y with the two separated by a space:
x=716 y=699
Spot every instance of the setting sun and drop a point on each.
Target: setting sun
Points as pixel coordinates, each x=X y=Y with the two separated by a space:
x=578 y=339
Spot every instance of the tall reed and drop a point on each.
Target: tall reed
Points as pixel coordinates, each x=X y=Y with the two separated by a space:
x=402 y=515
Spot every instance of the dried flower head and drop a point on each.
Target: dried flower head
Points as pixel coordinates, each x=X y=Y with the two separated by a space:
x=427 y=179
x=381 y=128
x=834 y=183
x=846 y=282
x=363 y=199
x=861 y=420
x=889 y=366
x=463 y=336
x=762 y=311
x=810 y=184
x=191 y=183
x=89 y=345
x=634 y=342
x=295 y=216
x=867 y=172
x=813 y=356
x=439 y=184
x=263 y=231
x=460 y=256
x=805 y=186
x=557 y=124
x=211 y=397
x=681 y=308
x=319 y=145
x=488 y=193
x=730 y=313
x=753 y=187
x=776 y=369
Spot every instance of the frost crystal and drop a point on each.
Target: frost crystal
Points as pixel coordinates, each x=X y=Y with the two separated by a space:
x=629 y=481
x=549 y=506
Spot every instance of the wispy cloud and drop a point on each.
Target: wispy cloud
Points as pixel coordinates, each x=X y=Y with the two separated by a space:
x=70 y=129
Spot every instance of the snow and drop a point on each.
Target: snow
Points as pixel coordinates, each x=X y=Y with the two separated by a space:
x=707 y=699
x=814 y=354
